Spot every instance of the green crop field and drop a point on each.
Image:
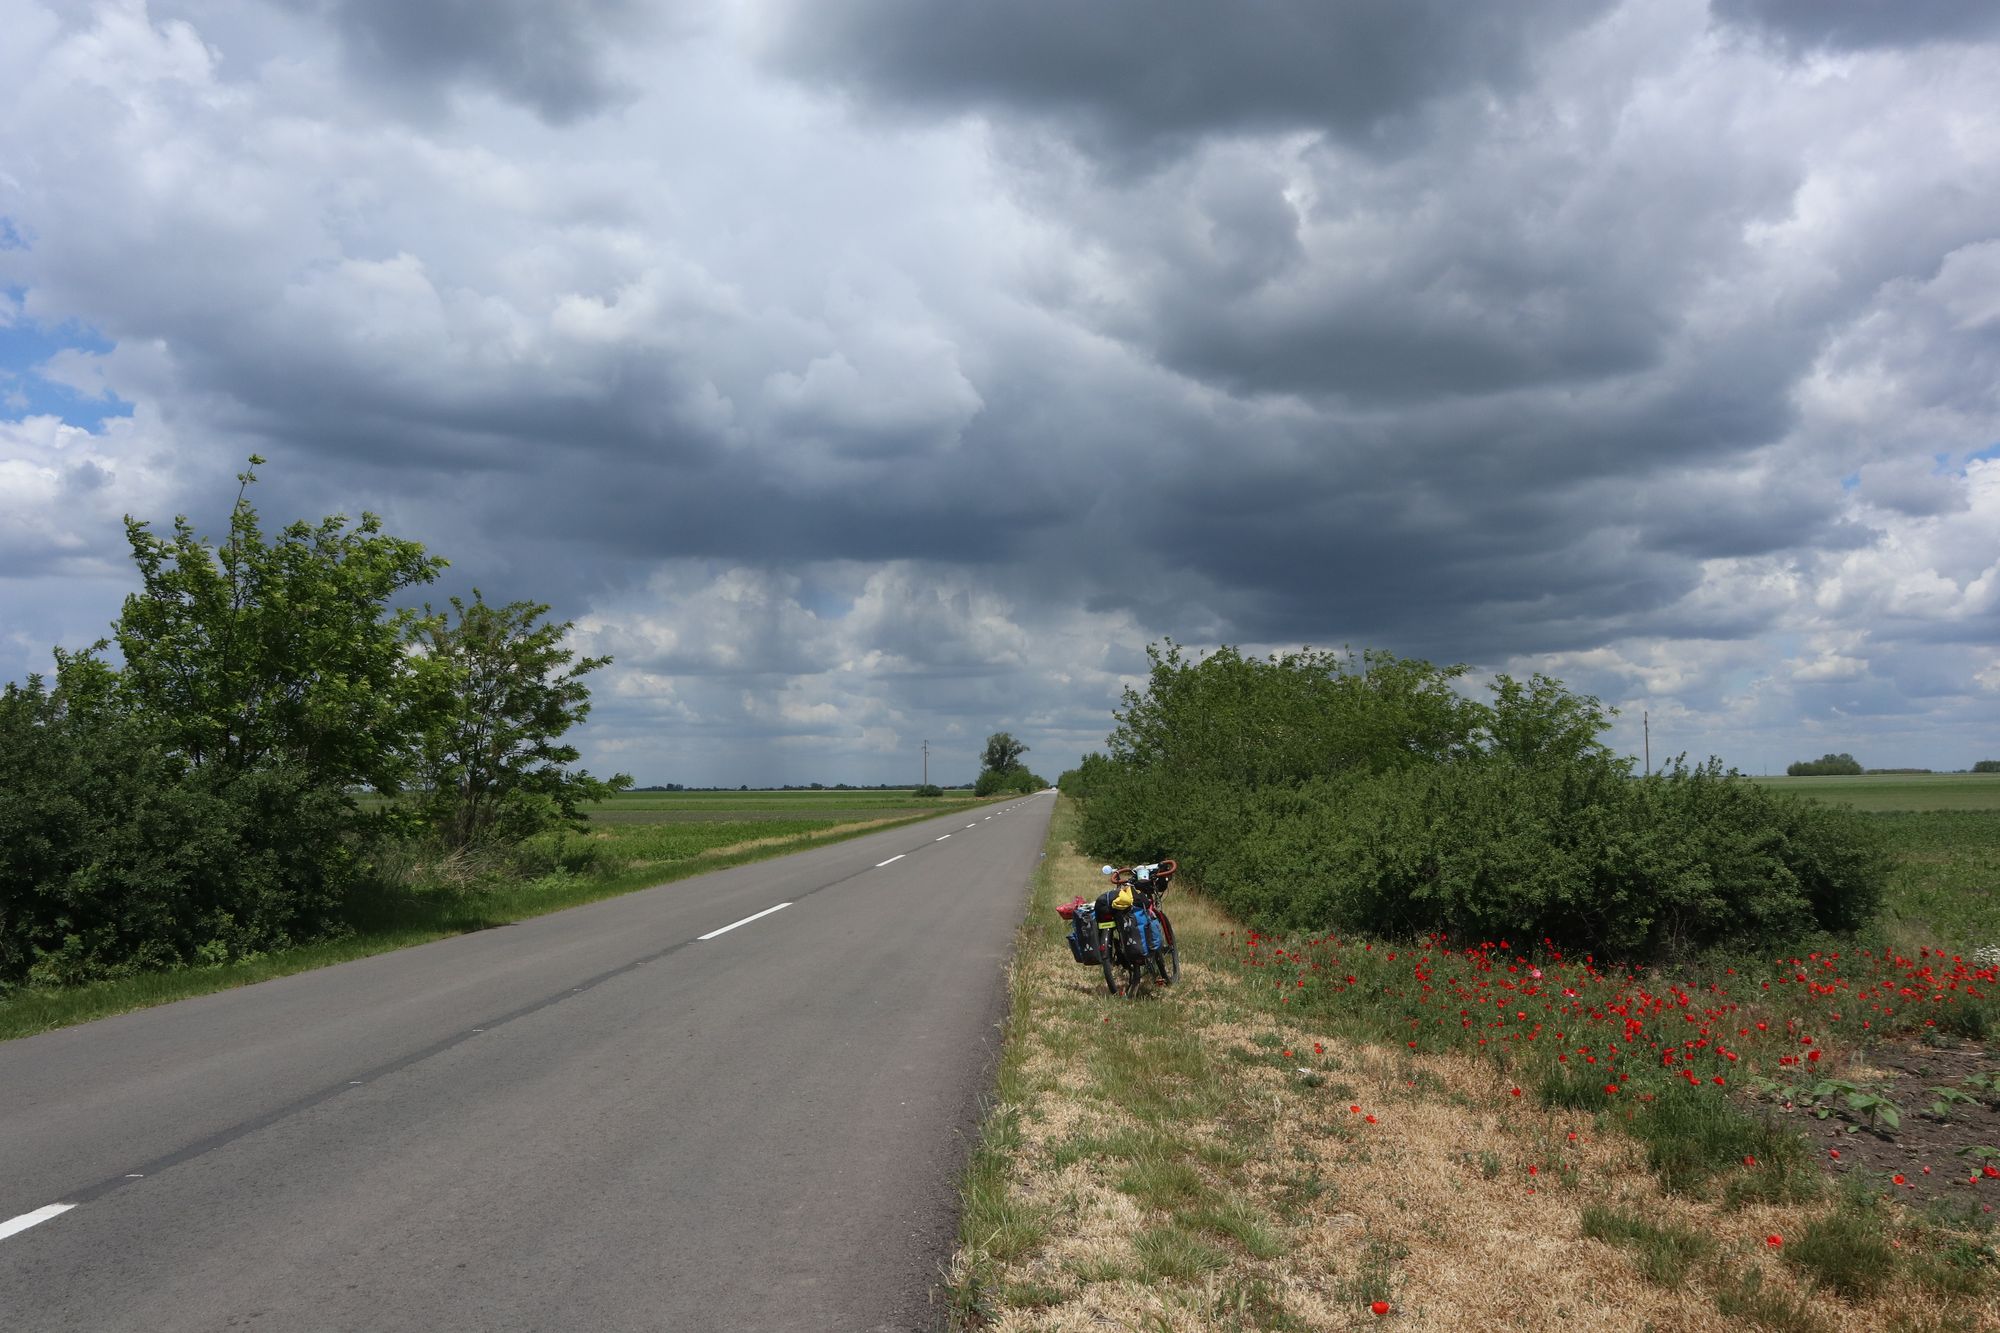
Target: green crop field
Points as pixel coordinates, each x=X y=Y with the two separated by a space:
x=637 y=831
x=668 y=807
x=1900 y=791
x=1943 y=834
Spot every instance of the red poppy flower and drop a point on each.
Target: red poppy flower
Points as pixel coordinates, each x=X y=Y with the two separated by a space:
x=1369 y=1118
x=1899 y=1179
x=1749 y=1160
x=1380 y=1307
x=1774 y=1240
x=1517 y=1092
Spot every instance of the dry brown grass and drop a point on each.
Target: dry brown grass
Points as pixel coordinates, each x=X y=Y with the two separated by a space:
x=1433 y=1205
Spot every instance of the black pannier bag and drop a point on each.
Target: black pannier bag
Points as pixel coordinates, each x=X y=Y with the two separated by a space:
x=1083 y=932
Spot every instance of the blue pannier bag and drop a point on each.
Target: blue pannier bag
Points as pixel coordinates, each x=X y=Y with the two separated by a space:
x=1132 y=932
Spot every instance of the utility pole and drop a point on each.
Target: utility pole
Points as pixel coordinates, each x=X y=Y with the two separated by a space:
x=1646 y=720
x=927 y=763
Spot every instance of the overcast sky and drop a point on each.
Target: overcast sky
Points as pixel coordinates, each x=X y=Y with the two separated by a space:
x=862 y=372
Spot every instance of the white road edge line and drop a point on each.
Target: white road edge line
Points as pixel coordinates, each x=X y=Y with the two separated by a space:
x=897 y=857
x=940 y=839
x=15 y=1225
x=744 y=922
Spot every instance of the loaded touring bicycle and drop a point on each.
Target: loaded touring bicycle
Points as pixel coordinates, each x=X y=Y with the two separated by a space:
x=1125 y=931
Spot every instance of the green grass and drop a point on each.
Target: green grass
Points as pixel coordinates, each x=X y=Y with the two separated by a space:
x=994 y=1226
x=1945 y=885
x=1664 y=1254
x=1743 y=1298
x=1174 y=1252
x=453 y=899
x=1692 y=1137
x=1898 y=792
x=1846 y=1251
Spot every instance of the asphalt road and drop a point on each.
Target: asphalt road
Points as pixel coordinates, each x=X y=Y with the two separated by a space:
x=592 y=1120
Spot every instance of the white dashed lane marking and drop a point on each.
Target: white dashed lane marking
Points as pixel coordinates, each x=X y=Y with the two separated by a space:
x=744 y=922
x=14 y=1226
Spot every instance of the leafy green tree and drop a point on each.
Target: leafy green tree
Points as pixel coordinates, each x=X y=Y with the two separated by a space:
x=276 y=650
x=1255 y=722
x=1540 y=721
x=505 y=689
x=1987 y=766
x=1093 y=775
x=1003 y=753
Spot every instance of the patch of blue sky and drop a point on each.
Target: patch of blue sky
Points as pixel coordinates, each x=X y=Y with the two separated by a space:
x=26 y=346
x=1990 y=452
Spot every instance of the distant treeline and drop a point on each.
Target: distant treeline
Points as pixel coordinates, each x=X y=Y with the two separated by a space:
x=1846 y=765
x=1826 y=766
x=200 y=801
x=810 y=786
x=1321 y=791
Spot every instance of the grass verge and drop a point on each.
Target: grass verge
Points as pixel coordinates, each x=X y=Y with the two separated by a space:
x=1236 y=1152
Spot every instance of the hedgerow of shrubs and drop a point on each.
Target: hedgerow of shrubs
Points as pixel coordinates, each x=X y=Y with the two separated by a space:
x=1484 y=820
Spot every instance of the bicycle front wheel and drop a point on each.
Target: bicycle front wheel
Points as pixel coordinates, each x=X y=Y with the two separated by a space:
x=1167 y=958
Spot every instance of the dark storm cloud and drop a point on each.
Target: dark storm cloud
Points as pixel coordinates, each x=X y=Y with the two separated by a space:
x=1462 y=330
x=1859 y=25
x=549 y=55
x=1143 y=74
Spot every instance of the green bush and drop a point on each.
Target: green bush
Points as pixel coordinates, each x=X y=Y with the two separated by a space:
x=1307 y=795
x=1579 y=853
x=1987 y=766
x=117 y=857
